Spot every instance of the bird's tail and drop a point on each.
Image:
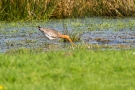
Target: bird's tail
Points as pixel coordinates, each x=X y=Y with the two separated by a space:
x=39 y=27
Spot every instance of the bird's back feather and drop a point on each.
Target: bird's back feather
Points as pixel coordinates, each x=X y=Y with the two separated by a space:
x=49 y=33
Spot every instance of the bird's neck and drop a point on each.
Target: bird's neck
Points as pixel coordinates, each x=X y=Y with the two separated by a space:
x=66 y=37
x=63 y=36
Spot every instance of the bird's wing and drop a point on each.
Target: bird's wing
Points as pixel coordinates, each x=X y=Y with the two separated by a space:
x=51 y=34
x=50 y=37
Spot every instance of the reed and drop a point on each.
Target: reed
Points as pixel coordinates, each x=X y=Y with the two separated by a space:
x=26 y=9
x=43 y=9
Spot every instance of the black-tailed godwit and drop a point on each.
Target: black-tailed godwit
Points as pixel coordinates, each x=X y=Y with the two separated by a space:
x=53 y=34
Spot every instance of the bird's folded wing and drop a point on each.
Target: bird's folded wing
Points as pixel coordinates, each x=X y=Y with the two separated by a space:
x=51 y=36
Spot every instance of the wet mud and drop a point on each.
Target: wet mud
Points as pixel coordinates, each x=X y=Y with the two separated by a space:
x=124 y=38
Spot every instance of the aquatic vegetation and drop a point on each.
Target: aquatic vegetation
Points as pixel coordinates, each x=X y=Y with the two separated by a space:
x=84 y=30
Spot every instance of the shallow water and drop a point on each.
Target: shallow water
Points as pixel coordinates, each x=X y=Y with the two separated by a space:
x=92 y=31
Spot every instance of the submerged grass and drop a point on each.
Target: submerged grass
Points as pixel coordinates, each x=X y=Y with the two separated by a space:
x=69 y=70
x=75 y=27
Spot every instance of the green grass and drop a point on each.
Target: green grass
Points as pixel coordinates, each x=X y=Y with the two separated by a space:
x=68 y=70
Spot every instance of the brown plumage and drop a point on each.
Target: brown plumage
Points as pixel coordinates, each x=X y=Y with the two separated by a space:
x=53 y=34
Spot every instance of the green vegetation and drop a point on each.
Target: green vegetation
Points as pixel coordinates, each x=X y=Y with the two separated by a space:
x=43 y=9
x=77 y=26
x=80 y=67
x=68 y=70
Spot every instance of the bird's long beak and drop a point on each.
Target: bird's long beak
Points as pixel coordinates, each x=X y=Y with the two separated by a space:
x=69 y=39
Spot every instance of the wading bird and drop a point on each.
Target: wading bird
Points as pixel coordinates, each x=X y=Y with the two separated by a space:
x=53 y=34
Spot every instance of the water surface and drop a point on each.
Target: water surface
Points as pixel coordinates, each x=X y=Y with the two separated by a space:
x=96 y=30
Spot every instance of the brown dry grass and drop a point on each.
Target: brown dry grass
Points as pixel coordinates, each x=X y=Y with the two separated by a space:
x=39 y=9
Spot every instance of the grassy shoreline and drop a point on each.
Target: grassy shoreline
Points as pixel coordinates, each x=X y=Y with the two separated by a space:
x=78 y=70
x=43 y=9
